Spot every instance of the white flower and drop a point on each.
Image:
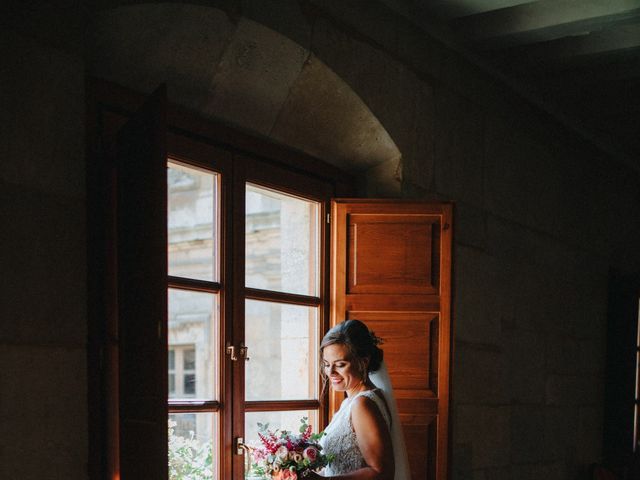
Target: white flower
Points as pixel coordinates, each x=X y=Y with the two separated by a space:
x=282 y=452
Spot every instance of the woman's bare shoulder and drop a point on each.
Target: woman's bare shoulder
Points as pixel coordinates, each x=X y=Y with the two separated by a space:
x=364 y=405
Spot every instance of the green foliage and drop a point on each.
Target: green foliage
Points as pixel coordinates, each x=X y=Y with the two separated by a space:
x=189 y=459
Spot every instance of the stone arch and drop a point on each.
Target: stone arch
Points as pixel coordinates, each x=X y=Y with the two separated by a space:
x=246 y=74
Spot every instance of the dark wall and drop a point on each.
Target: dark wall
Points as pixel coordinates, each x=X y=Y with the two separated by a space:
x=541 y=218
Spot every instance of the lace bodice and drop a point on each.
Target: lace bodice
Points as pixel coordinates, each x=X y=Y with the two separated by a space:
x=340 y=439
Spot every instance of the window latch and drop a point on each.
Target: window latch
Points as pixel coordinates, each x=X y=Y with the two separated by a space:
x=241 y=448
x=231 y=351
x=244 y=449
x=244 y=352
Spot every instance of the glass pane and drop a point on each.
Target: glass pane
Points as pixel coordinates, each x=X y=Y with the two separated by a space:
x=172 y=359
x=281 y=242
x=193 y=323
x=283 y=344
x=190 y=384
x=192 y=226
x=193 y=446
x=189 y=359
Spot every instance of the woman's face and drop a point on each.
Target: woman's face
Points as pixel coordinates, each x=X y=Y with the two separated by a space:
x=342 y=373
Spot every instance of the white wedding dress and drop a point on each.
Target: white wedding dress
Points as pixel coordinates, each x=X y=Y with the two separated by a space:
x=340 y=439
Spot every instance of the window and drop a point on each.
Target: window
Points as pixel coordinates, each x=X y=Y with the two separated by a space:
x=182 y=371
x=210 y=308
x=245 y=301
x=636 y=409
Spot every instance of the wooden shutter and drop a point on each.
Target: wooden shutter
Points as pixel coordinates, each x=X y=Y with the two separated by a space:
x=141 y=225
x=391 y=268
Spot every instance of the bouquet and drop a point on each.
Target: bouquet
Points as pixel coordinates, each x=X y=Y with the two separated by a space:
x=284 y=455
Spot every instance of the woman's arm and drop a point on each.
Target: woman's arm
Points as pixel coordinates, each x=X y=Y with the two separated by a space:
x=374 y=441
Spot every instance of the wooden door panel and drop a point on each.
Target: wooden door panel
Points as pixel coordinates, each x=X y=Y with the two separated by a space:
x=407 y=256
x=409 y=368
x=391 y=269
x=381 y=303
x=420 y=438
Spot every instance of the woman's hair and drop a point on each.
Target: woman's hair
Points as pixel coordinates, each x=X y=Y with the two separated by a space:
x=361 y=343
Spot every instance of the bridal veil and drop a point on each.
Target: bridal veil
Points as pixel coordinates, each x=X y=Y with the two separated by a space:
x=381 y=379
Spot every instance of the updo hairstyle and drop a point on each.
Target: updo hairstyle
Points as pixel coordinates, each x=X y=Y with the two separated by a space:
x=361 y=343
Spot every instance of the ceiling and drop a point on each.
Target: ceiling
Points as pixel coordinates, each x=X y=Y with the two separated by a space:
x=577 y=58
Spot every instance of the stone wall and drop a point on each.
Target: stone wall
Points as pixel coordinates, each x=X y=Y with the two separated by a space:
x=43 y=311
x=540 y=218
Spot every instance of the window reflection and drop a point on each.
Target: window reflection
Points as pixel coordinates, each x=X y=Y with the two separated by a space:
x=283 y=344
x=192 y=358
x=191 y=227
x=281 y=242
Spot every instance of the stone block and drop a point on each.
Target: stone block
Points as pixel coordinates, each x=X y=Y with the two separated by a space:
x=284 y=16
x=561 y=431
x=43 y=258
x=522 y=179
x=527 y=434
x=419 y=153
x=325 y=118
x=588 y=448
x=486 y=429
x=547 y=471
x=581 y=313
x=562 y=354
x=459 y=74
x=43 y=382
x=43 y=405
x=591 y=355
x=254 y=77
x=470 y=226
x=480 y=375
x=510 y=242
x=393 y=93
x=574 y=390
x=517 y=292
x=42 y=117
x=459 y=148
x=376 y=22
x=587 y=192
x=461 y=458
x=500 y=473
x=525 y=357
x=477 y=317
x=418 y=49
x=623 y=218
x=142 y=46
x=384 y=180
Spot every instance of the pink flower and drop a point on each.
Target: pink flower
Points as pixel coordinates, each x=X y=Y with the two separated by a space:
x=285 y=475
x=310 y=453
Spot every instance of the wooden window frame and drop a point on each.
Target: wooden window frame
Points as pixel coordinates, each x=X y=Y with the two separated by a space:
x=621 y=431
x=187 y=136
x=636 y=413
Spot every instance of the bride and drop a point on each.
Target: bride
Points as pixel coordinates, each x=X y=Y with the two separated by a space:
x=365 y=435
